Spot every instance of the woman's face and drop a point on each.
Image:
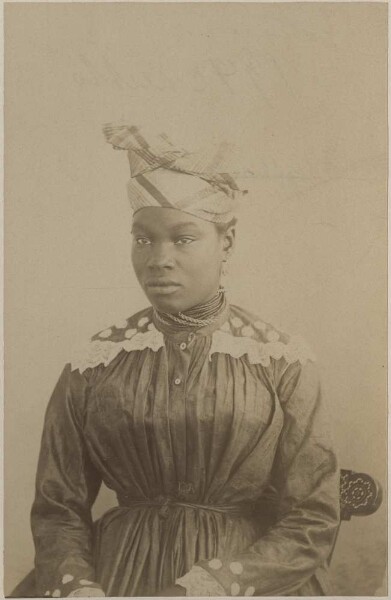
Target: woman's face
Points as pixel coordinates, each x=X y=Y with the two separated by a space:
x=177 y=257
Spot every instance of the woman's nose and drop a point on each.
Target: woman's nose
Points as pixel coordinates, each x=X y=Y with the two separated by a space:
x=161 y=256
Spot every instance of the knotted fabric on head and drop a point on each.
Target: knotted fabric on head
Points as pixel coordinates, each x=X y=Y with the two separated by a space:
x=167 y=176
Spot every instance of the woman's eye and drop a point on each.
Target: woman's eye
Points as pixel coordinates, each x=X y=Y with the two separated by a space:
x=184 y=240
x=142 y=241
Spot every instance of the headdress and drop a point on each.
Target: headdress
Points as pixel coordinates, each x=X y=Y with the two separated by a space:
x=167 y=176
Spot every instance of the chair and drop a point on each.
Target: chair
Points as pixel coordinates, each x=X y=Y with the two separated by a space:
x=360 y=495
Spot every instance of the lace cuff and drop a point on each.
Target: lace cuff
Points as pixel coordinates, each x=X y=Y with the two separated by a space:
x=86 y=592
x=71 y=585
x=199 y=582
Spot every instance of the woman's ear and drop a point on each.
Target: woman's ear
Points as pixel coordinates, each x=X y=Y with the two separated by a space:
x=229 y=240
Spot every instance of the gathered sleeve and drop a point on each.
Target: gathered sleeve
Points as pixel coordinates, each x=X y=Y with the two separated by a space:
x=306 y=477
x=67 y=484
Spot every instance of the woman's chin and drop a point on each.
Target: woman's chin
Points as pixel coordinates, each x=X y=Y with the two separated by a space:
x=165 y=304
x=172 y=301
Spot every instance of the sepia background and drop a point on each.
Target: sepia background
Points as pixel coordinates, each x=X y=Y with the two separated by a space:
x=301 y=90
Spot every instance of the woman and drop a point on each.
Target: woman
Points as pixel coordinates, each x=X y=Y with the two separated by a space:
x=199 y=415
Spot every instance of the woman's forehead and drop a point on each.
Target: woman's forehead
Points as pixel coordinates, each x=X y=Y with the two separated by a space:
x=157 y=219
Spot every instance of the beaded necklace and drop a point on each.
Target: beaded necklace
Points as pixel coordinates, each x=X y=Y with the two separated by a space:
x=197 y=316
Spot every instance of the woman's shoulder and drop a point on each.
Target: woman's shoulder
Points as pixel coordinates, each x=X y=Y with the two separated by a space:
x=246 y=322
x=125 y=328
x=265 y=339
x=127 y=333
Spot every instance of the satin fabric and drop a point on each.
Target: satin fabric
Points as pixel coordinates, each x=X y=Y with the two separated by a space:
x=176 y=423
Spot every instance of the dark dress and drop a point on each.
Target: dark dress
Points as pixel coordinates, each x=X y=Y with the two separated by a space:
x=194 y=432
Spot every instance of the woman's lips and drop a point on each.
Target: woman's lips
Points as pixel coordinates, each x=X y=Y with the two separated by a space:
x=168 y=287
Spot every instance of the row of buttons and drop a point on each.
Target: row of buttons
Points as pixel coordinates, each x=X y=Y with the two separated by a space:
x=183 y=346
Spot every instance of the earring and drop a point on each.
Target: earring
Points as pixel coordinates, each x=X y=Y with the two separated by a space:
x=223 y=276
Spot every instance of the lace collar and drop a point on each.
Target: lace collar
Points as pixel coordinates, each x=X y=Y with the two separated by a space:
x=258 y=341
x=233 y=333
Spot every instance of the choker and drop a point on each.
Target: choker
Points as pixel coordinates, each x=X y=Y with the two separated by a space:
x=197 y=316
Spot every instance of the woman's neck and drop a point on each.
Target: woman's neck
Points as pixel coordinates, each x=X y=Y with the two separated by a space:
x=197 y=316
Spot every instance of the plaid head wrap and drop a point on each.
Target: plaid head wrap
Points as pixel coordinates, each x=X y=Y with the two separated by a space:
x=166 y=176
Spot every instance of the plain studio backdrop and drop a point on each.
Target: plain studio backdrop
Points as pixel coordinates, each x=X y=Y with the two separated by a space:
x=301 y=90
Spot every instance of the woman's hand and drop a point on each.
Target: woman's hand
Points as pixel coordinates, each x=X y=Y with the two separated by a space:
x=172 y=590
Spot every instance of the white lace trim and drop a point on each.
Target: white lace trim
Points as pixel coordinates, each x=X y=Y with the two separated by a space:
x=103 y=352
x=198 y=582
x=259 y=352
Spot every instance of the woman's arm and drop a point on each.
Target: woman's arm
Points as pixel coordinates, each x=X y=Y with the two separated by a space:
x=66 y=487
x=306 y=476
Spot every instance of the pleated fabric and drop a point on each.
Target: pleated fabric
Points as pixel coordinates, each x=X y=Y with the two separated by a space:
x=178 y=432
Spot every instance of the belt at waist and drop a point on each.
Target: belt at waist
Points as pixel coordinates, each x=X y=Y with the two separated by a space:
x=163 y=504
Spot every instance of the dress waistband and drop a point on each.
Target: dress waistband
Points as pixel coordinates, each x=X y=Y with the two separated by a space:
x=163 y=504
